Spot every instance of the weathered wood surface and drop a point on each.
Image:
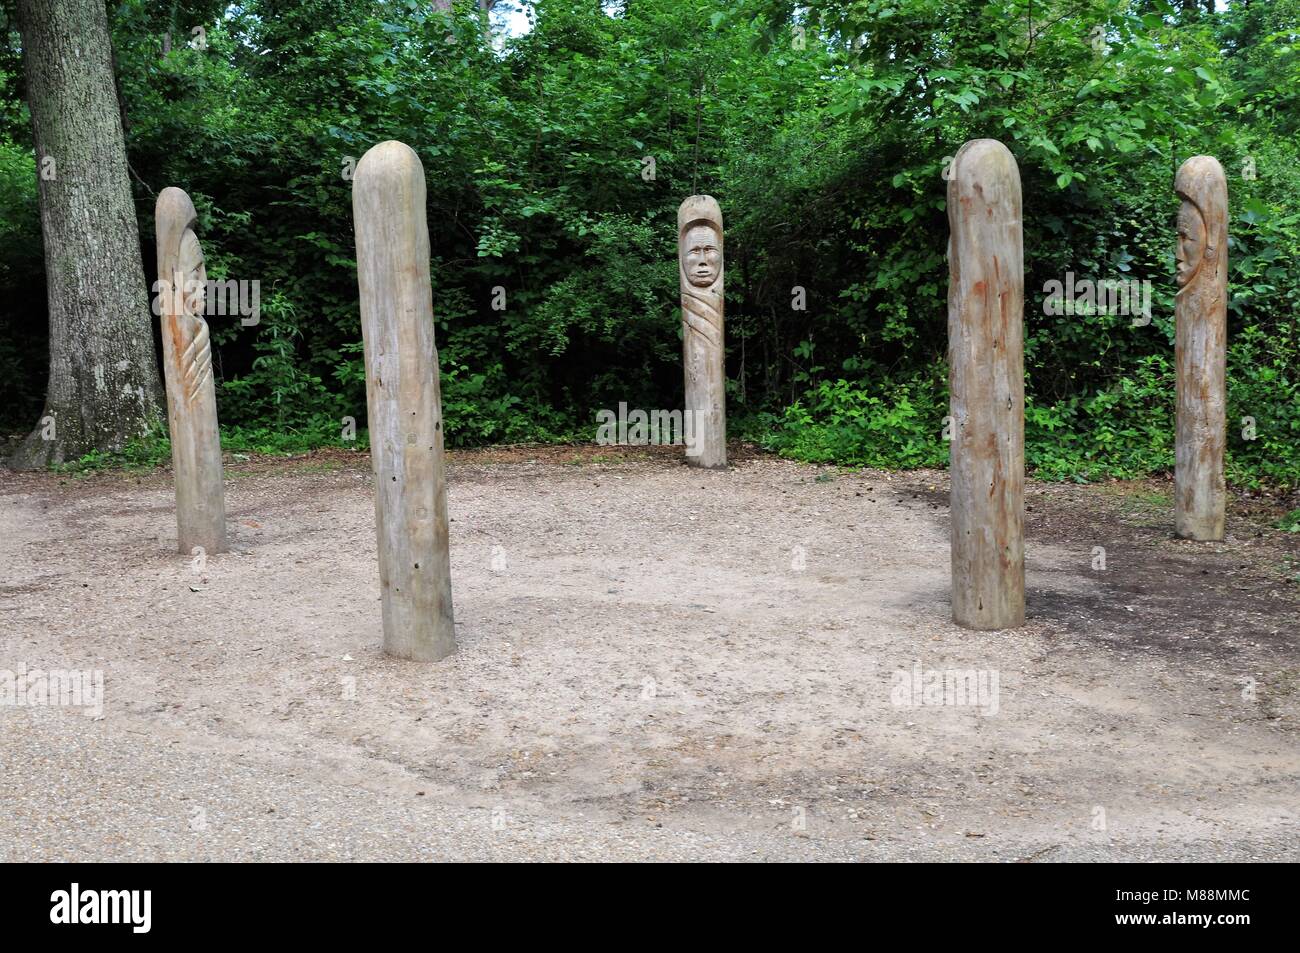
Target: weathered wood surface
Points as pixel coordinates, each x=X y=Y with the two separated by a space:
x=986 y=377
x=1200 y=349
x=700 y=255
x=187 y=368
x=405 y=403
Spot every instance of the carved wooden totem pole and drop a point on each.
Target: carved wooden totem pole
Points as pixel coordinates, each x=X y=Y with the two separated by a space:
x=405 y=403
x=1200 y=348
x=986 y=303
x=699 y=251
x=187 y=367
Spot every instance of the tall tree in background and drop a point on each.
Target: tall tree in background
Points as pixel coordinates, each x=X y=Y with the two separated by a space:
x=103 y=384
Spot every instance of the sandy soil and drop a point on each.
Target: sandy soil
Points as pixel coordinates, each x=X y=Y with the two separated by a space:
x=654 y=663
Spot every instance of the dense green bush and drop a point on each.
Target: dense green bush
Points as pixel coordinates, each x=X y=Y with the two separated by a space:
x=894 y=425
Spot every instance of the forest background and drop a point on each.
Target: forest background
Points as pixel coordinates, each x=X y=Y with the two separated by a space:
x=559 y=138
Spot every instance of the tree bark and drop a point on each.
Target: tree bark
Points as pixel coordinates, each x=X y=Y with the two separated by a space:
x=103 y=381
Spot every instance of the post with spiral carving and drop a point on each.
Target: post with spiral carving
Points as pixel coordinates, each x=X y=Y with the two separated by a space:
x=699 y=251
x=1200 y=348
x=187 y=367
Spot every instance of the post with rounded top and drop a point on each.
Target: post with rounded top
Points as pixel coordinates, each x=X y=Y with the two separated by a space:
x=404 y=402
x=187 y=368
x=986 y=303
x=1200 y=348
x=699 y=253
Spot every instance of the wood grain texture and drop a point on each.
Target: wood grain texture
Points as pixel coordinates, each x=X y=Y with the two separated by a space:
x=1200 y=349
x=187 y=369
x=986 y=304
x=405 y=403
x=700 y=256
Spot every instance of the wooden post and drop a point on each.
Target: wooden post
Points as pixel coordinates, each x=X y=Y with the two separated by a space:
x=699 y=253
x=187 y=367
x=405 y=405
x=986 y=303
x=1200 y=348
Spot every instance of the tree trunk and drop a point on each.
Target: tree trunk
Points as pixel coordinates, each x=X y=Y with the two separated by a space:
x=103 y=383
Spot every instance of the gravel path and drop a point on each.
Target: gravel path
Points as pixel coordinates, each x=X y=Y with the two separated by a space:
x=654 y=663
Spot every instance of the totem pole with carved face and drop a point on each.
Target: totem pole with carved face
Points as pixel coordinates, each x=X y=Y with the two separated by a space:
x=699 y=250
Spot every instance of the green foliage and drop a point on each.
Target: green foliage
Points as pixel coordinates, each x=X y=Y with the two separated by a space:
x=141 y=453
x=154 y=449
x=823 y=130
x=22 y=287
x=898 y=425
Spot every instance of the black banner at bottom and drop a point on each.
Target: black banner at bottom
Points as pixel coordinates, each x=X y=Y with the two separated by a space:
x=135 y=903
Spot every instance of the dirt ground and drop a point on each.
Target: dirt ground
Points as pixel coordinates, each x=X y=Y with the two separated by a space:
x=654 y=663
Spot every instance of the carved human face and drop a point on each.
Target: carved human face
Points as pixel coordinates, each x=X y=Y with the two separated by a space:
x=193 y=275
x=1191 y=242
x=703 y=256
